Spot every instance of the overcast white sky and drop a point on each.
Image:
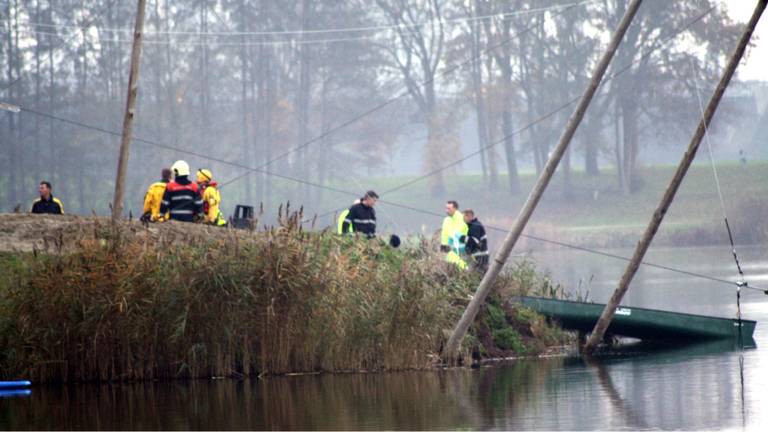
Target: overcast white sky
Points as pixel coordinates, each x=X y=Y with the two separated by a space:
x=756 y=66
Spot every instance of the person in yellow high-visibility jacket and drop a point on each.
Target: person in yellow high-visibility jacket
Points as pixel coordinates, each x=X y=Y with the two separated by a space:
x=211 y=198
x=154 y=198
x=342 y=217
x=454 y=228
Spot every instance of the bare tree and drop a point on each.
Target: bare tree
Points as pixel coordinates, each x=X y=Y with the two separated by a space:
x=417 y=56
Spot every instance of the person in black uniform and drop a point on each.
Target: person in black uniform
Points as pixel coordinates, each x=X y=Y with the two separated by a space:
x=47 y=203
x=362 y=217
x=476 y=242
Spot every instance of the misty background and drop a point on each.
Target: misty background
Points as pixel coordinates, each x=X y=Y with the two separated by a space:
x=314 y=102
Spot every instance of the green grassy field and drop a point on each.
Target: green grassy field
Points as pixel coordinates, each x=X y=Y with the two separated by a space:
x=597 y=207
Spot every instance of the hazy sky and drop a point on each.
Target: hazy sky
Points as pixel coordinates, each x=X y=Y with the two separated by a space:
x=756 y=66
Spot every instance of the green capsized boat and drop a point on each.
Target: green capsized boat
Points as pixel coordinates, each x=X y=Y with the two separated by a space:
x=641 y=323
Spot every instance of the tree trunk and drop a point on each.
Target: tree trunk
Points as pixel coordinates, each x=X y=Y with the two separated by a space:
x=244 y=105
x=437 y=182
x=477 y=87
x=83 y=97
x=21 y=170
x=302 y=105
x=565 y=168
x=491 y=129
x=205 y=90
x=38 y=96
x=174 y=98
x=591 y=140
x=327 y=143
x=257 y=115
x=509 y=149
x=591 y=166
x=53 y=157
x=541 y=143
x=265 y=104
x=618 y=145
x=506 y=114
x=14 y=147
x=630 y=141
x=565 y=165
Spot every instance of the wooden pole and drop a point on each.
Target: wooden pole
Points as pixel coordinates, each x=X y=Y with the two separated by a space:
x=130 y=105
x=658 y=216
x=449 y=353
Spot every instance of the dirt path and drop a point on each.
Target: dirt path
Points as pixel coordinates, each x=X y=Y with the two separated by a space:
x=52 y=234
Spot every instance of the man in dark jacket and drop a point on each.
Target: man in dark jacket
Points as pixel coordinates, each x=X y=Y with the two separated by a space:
x=362 y=217
x=476 y=242
x=182 y=200
x=47 y=203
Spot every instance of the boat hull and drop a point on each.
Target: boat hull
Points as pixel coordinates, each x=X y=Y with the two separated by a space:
x=641 y=323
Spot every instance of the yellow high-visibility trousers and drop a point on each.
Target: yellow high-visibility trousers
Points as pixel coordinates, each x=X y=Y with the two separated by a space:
x=454 y=258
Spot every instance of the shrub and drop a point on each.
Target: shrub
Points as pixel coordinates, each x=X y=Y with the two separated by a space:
x=508 y=339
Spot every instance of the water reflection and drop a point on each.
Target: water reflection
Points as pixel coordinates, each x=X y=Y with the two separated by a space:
x=15 y=393
x=692 y=387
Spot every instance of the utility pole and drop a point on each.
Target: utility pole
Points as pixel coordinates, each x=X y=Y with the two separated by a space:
x=449 y=353
x=669 y=195
x=130 y=105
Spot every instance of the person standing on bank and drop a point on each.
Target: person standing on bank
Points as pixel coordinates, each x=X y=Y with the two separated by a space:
x=342 y=218
x=476 y=242
x=211 y=198
x=182 y=198
x=362 y=217
x=154 y=197
x=451 y=233
x=47 y=203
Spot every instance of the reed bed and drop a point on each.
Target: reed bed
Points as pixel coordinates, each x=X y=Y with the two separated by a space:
x=127 y=307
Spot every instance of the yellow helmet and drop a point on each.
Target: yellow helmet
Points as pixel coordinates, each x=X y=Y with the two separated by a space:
x=180 y=168
x=204 y=175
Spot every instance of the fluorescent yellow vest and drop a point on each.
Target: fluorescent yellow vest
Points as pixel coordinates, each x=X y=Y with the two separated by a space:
x=453 y=228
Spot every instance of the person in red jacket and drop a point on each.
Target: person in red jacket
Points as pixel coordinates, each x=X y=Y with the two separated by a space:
x=182 y=199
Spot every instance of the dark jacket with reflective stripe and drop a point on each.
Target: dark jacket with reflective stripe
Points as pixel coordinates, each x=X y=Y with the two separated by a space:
x=182 y=200
x=51 y=206
x=362 y=219
x=477 y=242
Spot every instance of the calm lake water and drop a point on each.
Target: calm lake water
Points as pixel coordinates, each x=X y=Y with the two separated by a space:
x=699 y=387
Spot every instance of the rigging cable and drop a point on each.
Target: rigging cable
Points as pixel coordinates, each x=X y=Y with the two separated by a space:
x=741 y=281
x=322 y=31
x=156 y=42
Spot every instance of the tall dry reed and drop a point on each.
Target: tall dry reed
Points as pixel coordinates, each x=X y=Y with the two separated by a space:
x=124 y=307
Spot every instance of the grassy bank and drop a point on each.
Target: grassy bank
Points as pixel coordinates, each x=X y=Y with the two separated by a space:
x=598 y=213
x=122 y=305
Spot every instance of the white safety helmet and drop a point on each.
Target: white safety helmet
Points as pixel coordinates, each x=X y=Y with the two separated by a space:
x=180 y=168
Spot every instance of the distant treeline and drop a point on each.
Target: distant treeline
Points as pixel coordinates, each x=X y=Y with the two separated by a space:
x=309 y=90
